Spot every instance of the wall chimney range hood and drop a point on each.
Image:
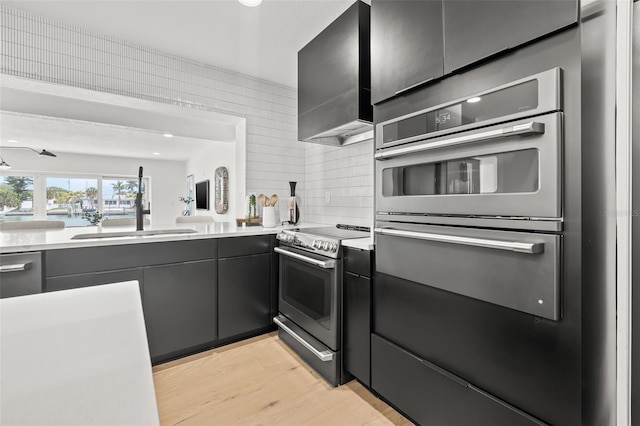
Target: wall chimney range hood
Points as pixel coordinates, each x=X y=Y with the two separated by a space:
x=334 y=82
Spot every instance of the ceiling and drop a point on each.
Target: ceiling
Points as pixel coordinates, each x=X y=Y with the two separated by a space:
x=60 y=135
x=261 y=41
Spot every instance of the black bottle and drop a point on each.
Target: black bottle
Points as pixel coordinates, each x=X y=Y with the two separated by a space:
x=294 y=212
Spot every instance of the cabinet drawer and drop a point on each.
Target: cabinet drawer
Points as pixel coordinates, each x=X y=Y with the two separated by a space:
x=21 y=274
x=107 y=258
x=357 y=261
x=243 y=246
x=517 y=270
x=431 y=395
x=97 y=278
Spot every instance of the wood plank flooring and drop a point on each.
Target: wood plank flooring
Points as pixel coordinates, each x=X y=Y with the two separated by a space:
x=260 y=381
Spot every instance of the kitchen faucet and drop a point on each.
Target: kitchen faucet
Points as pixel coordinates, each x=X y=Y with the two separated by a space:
x=139 y=211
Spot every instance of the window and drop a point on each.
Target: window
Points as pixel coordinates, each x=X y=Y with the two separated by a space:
x=69 y=198
x=119 y=197
x=16 y=198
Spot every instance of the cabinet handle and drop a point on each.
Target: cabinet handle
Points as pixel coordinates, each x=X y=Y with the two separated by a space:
x=528 y=248
x=524 y=129
x=17 y=267
x=413 y=86
x=324 y=356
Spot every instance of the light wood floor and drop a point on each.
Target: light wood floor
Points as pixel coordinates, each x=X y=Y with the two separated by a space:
x=260 y=381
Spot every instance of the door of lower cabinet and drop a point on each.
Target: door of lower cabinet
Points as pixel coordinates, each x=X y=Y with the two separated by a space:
x=179 y=302
x=243 y=294
x=357 y=326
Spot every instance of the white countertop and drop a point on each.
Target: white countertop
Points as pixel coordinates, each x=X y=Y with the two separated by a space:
x=76 y=357
x=50 y=239
x=360 y=243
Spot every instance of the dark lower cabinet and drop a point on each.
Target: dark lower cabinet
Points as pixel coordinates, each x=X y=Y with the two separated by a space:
x=357 y=326
x=179 y=303
x=243 y=294
x=356 y=313
x=431 y=395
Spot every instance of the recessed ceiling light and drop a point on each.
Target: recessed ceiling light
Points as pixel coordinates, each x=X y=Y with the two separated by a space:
x=474 y=100
x=12 y=141
x=156 y=153
x=250 y=3
x=168 y=135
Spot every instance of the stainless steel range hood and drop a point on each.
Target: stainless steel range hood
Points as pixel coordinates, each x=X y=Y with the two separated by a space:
x=334 y=96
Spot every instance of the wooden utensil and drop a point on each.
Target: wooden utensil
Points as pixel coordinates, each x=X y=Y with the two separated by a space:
x=263 y=200
x=273 y=200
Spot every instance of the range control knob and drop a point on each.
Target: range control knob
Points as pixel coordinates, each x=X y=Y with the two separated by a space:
x=333 y=248
x=325 y=245
x=315 y=244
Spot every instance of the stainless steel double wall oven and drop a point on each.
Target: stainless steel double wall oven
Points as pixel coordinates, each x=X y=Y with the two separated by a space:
x=471 y=191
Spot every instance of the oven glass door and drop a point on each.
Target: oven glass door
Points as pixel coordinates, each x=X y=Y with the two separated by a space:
x=309 y=293
x=509 y=170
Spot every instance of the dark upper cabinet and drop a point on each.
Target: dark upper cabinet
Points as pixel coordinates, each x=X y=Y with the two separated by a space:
x=474 y=30
x=406 y=45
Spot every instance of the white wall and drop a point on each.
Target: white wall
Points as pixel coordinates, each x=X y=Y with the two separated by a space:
x=339 y=184
x=36 y=48
x=203 y=167
x=167 y=178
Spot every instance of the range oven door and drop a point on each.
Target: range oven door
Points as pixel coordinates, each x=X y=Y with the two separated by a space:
x=510 y=170
x=310 y=293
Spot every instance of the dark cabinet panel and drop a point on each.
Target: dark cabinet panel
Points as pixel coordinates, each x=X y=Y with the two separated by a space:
x=106 y=258
x=358 y=261
x=243 y=294
x=431 y=395
x=406 y=45
x=96 y=278
x=474 y=30
x=243 y=246
x=179 y=303
x=532 y=362
x=357 y=326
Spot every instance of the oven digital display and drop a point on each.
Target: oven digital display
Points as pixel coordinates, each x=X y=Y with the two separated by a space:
x=503 y=102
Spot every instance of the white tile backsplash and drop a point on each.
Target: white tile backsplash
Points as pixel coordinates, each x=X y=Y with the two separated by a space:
x=44 y=49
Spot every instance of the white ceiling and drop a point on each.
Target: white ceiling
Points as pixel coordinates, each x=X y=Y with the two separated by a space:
x=261 y=41
x=59 y=135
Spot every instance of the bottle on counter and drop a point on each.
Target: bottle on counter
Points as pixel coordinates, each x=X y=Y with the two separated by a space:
x=294 y=211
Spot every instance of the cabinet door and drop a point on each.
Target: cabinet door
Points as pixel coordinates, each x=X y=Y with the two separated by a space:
x=179 y=303
x=474 y=30
x=243 y=294
x=357 y=326
x=406 y=45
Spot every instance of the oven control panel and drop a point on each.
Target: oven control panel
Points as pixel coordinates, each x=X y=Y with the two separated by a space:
x=315 y=244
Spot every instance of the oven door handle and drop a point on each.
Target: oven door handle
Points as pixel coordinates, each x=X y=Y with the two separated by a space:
x=324 y=356
x=524 y=129
x=324 y=264
x=520 y=247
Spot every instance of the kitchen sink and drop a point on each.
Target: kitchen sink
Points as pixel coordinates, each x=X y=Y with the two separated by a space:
x=133 y=233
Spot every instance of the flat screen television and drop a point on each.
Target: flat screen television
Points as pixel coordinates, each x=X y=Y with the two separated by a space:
x=202 y=195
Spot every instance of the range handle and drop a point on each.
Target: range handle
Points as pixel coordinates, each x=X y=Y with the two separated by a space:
x=324 y=356
x=324 y=264
x=524 y=129
x=517 y=246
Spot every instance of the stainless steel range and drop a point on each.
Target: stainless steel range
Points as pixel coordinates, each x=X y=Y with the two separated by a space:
x=310 y=297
